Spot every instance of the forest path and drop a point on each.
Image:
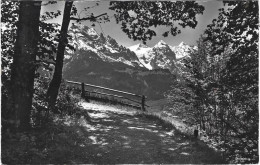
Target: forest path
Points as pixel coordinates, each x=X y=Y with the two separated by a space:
x=121 y=136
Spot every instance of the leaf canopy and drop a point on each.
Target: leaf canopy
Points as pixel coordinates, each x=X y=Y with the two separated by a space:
x=137 y=17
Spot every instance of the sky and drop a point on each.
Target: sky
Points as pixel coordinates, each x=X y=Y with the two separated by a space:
x=188 y=35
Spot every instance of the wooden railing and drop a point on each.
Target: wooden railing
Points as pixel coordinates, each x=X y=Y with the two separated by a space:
x=83 y=93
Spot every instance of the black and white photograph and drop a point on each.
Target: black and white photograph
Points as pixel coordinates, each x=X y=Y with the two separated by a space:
x=129 y=82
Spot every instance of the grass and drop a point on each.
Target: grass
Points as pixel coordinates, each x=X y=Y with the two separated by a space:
x=168 y=122
x=158 y=110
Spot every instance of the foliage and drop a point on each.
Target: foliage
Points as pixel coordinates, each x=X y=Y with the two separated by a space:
x=239 y=81
x=137 y=17
x=45 y=55
x=48 y=37
x=77 y=15
x=223 y=76
x=39 y=107
x=9 y=20
x=49 y=33
x=66 y=102
x=181 y=101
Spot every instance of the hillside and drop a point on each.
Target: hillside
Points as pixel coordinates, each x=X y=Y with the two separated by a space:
x=100 y=60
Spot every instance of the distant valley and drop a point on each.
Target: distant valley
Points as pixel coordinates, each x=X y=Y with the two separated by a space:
x=100 y=60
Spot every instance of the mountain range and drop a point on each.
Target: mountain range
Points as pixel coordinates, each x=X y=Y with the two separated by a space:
x=161 y=55
x=100 y=60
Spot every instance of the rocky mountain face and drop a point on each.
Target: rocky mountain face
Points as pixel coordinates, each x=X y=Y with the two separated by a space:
x=183 y=50
x=105 y=48
x=162 y=55
x=100 y=60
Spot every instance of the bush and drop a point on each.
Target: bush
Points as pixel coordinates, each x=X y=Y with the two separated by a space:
x=67 y=100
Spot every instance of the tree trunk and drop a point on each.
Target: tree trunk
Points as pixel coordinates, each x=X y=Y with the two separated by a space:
x=54 y=86
x=23 y=67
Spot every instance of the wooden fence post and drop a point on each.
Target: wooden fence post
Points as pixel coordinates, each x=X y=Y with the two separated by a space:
x=82 y=90
x=143 y=103
x=83 y=93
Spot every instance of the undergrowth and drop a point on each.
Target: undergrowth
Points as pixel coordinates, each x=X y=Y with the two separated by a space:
x=181 y=127
x=47 y=136
x=56 y=143
x=169 y=122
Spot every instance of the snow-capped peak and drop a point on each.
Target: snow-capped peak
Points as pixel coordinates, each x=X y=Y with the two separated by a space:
x=142 y=45
x=101 y=47
x=182 y=44
x=182 y=50
x=134 y=47
x=138 y=47
x=160 y=43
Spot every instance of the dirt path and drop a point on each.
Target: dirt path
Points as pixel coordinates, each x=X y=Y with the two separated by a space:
x=123 y=137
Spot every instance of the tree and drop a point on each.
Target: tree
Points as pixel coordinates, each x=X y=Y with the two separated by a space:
x=69 y=14
x=228 y=86
x=23 y=68
x=223 y=78
x=44 y=57
x=240 y=79
x=54 y=86
x=137 y=17
x=198 y=78
x=181 y=100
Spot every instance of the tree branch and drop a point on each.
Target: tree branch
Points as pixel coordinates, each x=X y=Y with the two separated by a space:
x=237 y=131
x=87 y=18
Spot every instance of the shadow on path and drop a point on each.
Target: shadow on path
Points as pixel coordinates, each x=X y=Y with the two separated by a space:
x=114 y=137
